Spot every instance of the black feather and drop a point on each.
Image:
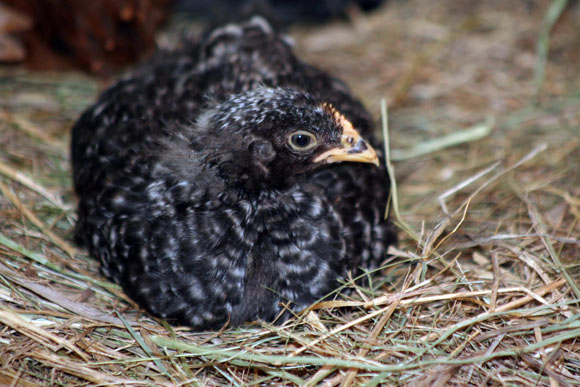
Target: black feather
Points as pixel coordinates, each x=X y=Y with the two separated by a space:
x=193 y=200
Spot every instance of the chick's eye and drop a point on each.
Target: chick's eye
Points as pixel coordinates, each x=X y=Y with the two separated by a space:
x=301 y=141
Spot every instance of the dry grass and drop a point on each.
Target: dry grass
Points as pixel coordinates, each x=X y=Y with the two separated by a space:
x=483 y=288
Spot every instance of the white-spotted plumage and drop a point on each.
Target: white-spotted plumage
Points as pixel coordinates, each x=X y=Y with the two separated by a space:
x=192 y=198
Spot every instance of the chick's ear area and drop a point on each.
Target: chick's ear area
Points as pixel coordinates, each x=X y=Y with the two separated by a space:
x=262 y=151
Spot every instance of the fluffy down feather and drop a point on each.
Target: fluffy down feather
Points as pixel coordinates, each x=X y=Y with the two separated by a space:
x=197 y=196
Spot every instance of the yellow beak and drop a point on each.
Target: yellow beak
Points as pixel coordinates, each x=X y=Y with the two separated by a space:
x=352 y=148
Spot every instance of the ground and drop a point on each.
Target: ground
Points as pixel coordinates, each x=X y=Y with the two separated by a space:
x=482 y=289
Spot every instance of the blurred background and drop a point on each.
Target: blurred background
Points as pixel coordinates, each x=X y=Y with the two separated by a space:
x=103 y=35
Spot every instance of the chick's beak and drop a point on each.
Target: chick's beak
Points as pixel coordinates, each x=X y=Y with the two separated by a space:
x=352 y=148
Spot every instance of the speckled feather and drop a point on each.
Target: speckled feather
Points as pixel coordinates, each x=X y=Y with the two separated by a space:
x=190 y=199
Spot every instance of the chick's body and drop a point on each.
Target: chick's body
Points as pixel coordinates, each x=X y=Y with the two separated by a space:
x=192 y=198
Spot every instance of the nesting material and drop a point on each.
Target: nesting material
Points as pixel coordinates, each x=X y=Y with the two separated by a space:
x=483 y=287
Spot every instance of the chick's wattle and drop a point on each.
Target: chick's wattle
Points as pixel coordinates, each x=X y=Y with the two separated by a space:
x=221 y=181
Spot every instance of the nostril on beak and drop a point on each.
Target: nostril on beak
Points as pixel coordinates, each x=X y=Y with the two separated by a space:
x=360 y=146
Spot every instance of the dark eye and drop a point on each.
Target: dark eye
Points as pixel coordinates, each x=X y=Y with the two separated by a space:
x=301 y=140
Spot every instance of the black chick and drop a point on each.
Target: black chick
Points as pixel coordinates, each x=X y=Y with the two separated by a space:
x=211 y=184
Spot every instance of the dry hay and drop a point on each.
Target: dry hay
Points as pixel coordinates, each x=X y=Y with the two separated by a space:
x=483 y=288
